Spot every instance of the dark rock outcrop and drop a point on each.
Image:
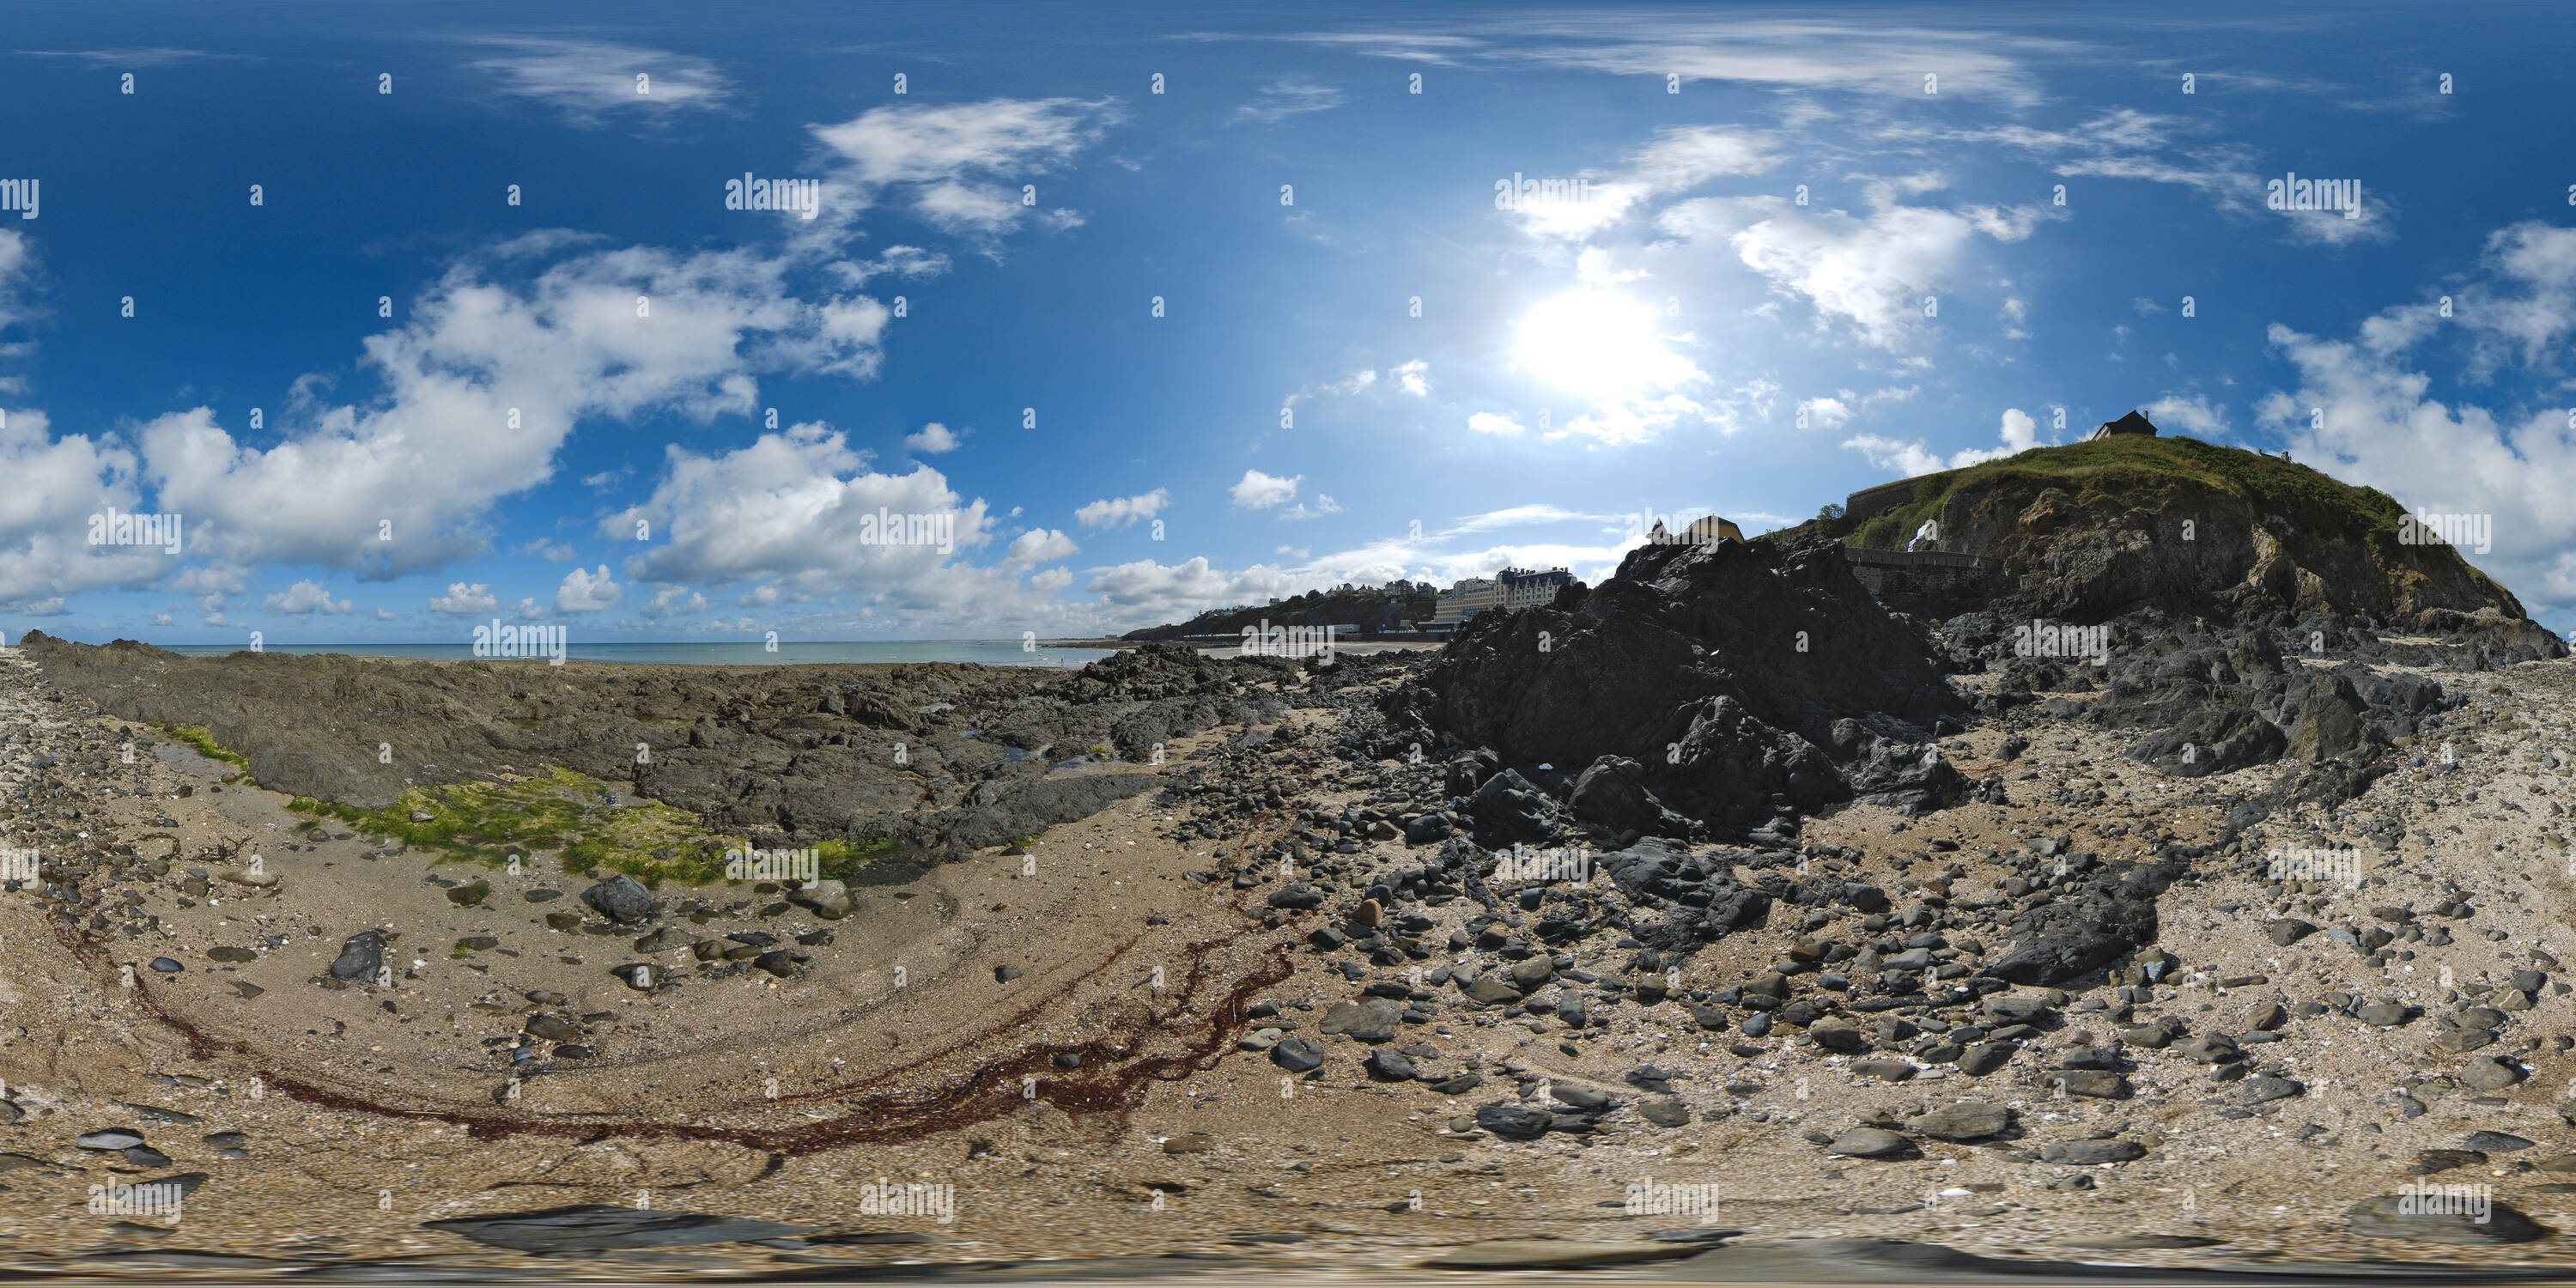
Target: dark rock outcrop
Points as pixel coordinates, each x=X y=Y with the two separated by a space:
x=1721 y=672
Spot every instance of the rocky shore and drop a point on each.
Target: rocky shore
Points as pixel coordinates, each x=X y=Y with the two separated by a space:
x=1719 y=919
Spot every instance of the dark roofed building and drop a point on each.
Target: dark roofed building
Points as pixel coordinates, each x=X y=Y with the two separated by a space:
x=2133 y=423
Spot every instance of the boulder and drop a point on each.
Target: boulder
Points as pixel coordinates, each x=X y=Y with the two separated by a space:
x=361 y=956
x=1372 y=1020
x=1962 y=1120
x=619 y=898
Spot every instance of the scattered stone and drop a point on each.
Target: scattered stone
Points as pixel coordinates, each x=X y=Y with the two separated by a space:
x=362 y=955
x=828 y=899
x=1962 y=1120
x=1869 y=1142
x=2497 y=1142
x=1665 y=1113
x=2401 y=1216
x=2101 y=1084
x=2268 y=1088
x=1386 y=1064
x=1513 y=1121
x=1297 y=1055
x=2429 y=1161
x=2486 y=1073
x=1986 y=1057
x=620 y=898
x=2091 y=1153
x=1372 y=1020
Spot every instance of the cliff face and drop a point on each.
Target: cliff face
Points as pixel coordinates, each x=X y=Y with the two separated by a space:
x=2095 y=529
x=1727 y=680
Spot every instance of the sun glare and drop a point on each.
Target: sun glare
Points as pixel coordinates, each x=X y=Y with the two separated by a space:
x=1591 y=342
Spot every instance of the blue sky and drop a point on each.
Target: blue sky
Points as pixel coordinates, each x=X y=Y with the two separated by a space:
x=1811 y=249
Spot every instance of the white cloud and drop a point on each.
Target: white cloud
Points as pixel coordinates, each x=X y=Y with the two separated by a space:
x=1324 y=504
x=1413 y=378
x=2017 y=430
x=439 y=449
x=1825 y=413
x=1259 y=491
x=462 y=600
x=17 y=261
x=2193 y=415
x=1040 y=545
x=1118 y=512
x=584 y=591
x=1515 y=516
x=1486 y=422
x=671 y=600
x=961 y=164
x=1870 y=273
x=1282 y=99
x=54 y=486
x=587 y=80
x=800 y=511
x=1795 y=53
x=1676 y=160
x=1907 y=458
x=799 y=505
x=550 y=550
x=933 y=439
x=2380 y=424
x=382 y=615
x=305 y=598
x=131 y=56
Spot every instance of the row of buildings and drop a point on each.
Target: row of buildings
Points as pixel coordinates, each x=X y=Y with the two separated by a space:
x=1510 y=590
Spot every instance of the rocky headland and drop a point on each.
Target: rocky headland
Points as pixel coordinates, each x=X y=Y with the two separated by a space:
x=2184 y=875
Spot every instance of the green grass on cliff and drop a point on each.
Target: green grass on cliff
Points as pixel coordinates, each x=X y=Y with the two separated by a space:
x=567 y=816
x=2141 y=473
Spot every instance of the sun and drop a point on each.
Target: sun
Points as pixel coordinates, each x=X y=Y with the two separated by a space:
x=1594 y=343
